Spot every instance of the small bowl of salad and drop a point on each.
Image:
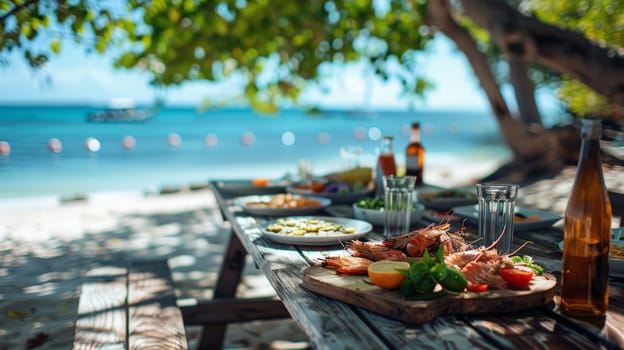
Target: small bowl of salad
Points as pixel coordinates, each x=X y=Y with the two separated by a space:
x=371 y=209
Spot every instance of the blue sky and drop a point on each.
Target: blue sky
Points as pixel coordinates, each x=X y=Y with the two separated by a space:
x=76 y=77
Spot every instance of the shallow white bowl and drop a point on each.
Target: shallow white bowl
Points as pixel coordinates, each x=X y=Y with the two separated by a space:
x=377 y=216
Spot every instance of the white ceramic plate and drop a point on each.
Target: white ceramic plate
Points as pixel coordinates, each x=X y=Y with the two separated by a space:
x=616 y=266
x=361 y=228
x=242 y=202
x=378 y=216
x=435 y=199
x=336 y=197
x=546 y=219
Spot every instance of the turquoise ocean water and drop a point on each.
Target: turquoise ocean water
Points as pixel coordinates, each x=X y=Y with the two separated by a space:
x=280 y=142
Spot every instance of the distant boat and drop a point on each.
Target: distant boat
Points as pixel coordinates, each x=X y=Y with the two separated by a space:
x=120 y=110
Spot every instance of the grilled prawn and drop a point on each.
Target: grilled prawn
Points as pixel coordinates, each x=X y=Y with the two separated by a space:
x=429 y=238
x=375 y=251
x=348 y=264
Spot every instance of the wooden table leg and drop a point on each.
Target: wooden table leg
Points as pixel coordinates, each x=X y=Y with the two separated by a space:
x=231 y=268
x=227 y=282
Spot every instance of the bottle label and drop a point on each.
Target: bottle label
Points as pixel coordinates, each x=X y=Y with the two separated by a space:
x=411 y=162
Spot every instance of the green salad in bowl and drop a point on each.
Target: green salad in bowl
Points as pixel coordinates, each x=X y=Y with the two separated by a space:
x=371 y=209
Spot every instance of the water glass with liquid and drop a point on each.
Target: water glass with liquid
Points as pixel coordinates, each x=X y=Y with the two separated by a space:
x=496 y=214
x=398 y=201
x=350 y=156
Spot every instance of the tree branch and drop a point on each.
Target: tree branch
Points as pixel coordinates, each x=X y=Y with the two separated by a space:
x=12 y=11
x=567 y=52
x=524 y=90
x=439 y=16
x=523 y=144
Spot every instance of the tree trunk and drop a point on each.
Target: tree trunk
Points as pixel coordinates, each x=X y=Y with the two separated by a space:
x=537 y=147
x=439 y=16
x=567 y=52
x=524 y=91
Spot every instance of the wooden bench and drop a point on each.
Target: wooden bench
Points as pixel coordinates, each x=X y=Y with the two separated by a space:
x=129 y=305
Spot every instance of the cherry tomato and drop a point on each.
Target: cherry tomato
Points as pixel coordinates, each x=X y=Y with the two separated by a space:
x=477 y=287
x=517 y=276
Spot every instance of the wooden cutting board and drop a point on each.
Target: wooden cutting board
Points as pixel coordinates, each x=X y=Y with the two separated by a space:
x=357 y=290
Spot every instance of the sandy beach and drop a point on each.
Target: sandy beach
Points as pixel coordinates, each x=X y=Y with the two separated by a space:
x=45 y=246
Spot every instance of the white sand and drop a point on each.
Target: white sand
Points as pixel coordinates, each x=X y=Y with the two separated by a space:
x=45 y=247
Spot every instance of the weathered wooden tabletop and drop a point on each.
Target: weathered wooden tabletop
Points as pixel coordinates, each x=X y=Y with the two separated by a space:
x=331 y=324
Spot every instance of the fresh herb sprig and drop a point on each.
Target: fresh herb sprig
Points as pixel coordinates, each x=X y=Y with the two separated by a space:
x=423 y=276
x=528 y=262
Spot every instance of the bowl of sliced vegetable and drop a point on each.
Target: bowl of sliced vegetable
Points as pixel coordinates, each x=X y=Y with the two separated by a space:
x=337 y=192
x=371 y=209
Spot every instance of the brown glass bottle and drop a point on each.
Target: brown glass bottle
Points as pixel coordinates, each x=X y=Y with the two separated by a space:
x=415 y=155
x=587 y=233
x=386 y=165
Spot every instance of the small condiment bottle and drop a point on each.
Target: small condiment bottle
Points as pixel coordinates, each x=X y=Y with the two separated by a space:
x=415 y=155
x=386 y=157
x=386 y=165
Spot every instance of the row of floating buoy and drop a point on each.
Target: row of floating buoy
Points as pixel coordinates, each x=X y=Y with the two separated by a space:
x=288 y=138
x=93 y=144
x=128 y=142
x=5 y=148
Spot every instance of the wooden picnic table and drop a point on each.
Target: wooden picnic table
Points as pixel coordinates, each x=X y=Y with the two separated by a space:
x=331 y=324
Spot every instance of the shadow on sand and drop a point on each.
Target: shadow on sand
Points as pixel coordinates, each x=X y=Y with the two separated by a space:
x=42 y=269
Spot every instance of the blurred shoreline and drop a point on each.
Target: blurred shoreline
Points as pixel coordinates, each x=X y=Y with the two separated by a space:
x=181 y=147
x=458 y=174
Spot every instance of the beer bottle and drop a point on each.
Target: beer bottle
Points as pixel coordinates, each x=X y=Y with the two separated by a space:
x=587 y=233
x=415 y=155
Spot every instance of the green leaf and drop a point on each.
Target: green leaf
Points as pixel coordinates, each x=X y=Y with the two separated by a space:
x=100 y=46
x=439 y=271
x=404 y=272
x=418 y=271
x=35 y=23
x=263 y=107
x=146 y=40
x=528 y=262
x=426 y=258
x=128 y=60
x=27 y=30
x=440 y=254
x=55 y=46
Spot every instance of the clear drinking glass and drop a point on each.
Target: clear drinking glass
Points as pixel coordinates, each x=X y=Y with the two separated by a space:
x=399 y=197
x=350 y=156
x=496 y=214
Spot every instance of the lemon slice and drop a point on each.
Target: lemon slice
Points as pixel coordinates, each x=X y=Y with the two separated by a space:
x=384 y=273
